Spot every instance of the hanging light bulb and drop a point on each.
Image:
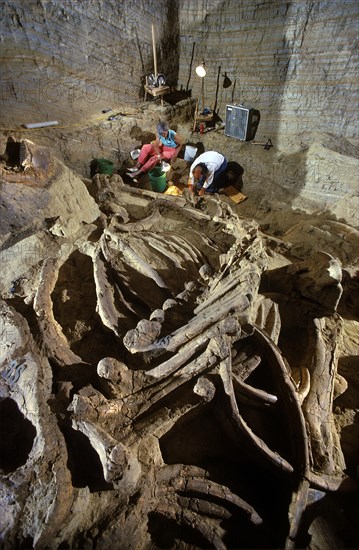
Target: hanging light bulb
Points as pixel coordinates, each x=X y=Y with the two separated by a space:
x=200 y=70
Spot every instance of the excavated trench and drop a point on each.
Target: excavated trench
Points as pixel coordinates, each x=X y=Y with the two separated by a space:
x=189 y=372
x=74 y=305
x=83 y=461
x=74 y=297
x=205 y=440
x=17 y=435
x=171 y=366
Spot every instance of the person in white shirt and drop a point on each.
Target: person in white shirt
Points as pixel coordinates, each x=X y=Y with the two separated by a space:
x=205 y=171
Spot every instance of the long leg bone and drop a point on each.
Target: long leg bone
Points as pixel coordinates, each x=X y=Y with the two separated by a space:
x=188 y=350
x=317 y=407
x=53 y=337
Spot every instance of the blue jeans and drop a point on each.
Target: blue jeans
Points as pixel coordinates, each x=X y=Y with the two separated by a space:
x=216 y=183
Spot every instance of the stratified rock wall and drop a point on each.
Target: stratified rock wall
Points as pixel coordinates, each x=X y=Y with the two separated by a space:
x=294 y=61
x=71 y=59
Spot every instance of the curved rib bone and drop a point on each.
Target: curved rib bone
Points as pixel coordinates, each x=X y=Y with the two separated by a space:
x=182 y=516
x=205 y=508
x=254 y=393
x=211 y=489
x=297 y=425
x=290 y=399
x=131 y=258
x=242 y=427
x=105 y=296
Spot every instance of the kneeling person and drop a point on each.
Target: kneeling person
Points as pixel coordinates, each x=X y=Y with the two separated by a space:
x=166 y=147
x=205 y=173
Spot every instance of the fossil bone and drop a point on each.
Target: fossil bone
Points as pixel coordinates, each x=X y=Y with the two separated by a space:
x=192 y=369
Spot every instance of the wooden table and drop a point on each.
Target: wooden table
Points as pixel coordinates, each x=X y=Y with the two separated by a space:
x=201 y=118
x=156 y=91
x=204 y=118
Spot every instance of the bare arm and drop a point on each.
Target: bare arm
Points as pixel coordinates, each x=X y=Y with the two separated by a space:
x=156 y=144
x=190 y=180
x=179 y=140
x=207 y=182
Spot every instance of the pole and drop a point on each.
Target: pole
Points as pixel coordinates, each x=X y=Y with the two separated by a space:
x=41 y=124
x=202 y=93
x=195 y=117
x=190 y=66
x=217 y=88
x=154 y=50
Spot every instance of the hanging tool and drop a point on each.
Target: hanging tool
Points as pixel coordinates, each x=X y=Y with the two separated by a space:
x=155 y=80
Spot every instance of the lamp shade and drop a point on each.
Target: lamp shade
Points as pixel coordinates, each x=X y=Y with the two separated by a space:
x=200 y=70
x=227 y=82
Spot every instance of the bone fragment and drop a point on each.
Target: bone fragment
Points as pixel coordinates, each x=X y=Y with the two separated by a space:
x=132 y=258
x=188 y=350
x=254 y=393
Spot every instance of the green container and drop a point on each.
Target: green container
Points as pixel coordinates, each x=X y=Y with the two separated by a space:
x=157 y=179
x=105 y=166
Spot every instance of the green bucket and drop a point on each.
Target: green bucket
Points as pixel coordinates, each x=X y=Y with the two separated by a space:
x=105 y=166
x=157 y=179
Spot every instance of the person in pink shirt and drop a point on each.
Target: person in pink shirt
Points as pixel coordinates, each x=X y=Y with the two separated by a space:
x=166 y=147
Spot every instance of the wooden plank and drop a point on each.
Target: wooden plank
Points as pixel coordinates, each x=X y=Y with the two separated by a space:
x=234 y=194
x=204 y=118
x=157 y=91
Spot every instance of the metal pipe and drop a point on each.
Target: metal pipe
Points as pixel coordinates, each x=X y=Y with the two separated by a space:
x=202 y=92
x=41 y=124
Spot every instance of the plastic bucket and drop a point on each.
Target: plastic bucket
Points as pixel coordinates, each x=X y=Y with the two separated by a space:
x=157 y=179
x=190 y=152
x=105 y=166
